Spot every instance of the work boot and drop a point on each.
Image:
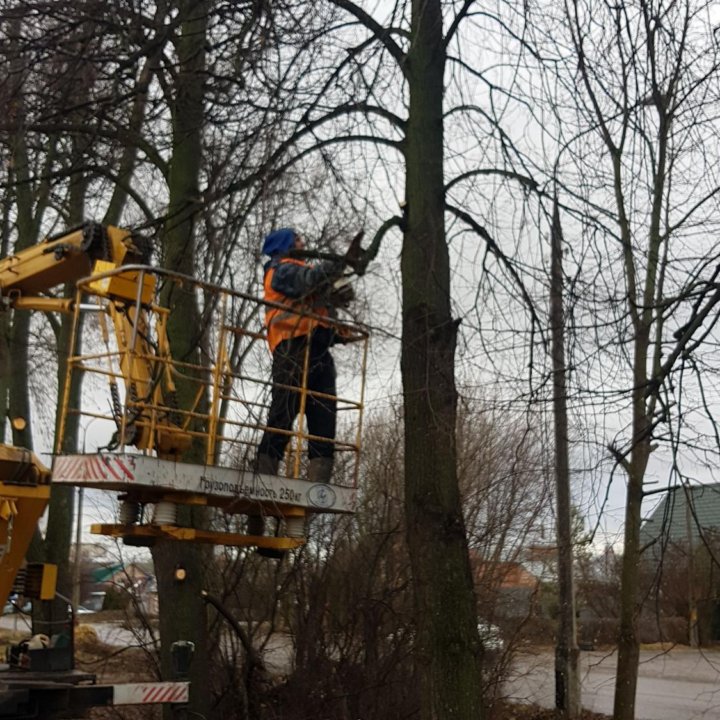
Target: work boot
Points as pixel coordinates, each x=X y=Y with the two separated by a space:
x=320 y=469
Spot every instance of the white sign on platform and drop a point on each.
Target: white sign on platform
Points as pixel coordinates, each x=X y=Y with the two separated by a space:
x=120 y=472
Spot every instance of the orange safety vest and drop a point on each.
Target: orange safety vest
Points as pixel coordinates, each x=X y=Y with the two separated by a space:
x=285 y=323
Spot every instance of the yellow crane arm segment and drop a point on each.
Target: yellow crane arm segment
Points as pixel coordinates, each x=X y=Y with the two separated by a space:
x=24 y=494
x=64 y=258
x=25 y=278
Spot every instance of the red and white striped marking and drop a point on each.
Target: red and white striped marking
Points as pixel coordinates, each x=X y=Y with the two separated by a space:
x=93 y=468
x=146 y=693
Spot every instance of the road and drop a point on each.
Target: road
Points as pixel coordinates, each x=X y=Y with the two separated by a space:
x=681 y=684
x=111 y=633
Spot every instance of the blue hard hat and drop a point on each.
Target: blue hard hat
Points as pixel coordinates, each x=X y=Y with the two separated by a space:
x=279 y=241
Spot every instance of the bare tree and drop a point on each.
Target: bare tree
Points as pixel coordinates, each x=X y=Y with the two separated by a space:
x=639 y=162
x=46 y=81
x=347 y=599
x=239 y=126
x=86 y=142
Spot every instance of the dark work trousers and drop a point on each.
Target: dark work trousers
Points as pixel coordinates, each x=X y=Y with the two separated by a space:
x=287 y=369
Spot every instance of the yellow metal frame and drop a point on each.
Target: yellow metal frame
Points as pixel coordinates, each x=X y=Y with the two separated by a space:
x=57 y=260
x=194 y=535
x=137 y=357
x=228 y=410
x=141 y=361
x=24 y=495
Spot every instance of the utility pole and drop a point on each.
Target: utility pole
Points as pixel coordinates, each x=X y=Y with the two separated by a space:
x=567 y=679
x=692 y=602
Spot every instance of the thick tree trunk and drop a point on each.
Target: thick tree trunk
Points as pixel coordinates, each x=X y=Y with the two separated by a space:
x=4 y=319
x=4 y=371
x=448 y=645
x=628 y=643
x=182 y=611
x=19 y=387
x=646 y=323
x=30 y=201
x=58 y=534
x=59 y=531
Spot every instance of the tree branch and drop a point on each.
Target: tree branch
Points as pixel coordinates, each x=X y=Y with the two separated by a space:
x=383 y=34
x=494 y=248
x=462 y=13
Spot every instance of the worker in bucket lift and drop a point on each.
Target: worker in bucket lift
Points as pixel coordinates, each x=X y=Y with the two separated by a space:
x=304 y=286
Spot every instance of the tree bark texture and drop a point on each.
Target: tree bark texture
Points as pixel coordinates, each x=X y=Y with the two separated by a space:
x=182 y=611
x=19 y=386
x=4 y=371
x=628 y=643
x=448 y=645
x=59 y=531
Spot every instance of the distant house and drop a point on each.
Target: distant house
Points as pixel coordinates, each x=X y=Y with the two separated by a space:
x=681 y=538
x=541 y=561
x=514 y=585
x=684 y=516
x=135 y=579
x=108 y=574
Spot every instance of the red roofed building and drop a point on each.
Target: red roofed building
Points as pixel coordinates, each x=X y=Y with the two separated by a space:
x=507 y=585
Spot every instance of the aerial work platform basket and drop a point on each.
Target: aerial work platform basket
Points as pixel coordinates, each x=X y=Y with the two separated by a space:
x=167 y=432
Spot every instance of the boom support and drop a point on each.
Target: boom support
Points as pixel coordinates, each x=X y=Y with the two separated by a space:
x=127 y=351
x=64 y=258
